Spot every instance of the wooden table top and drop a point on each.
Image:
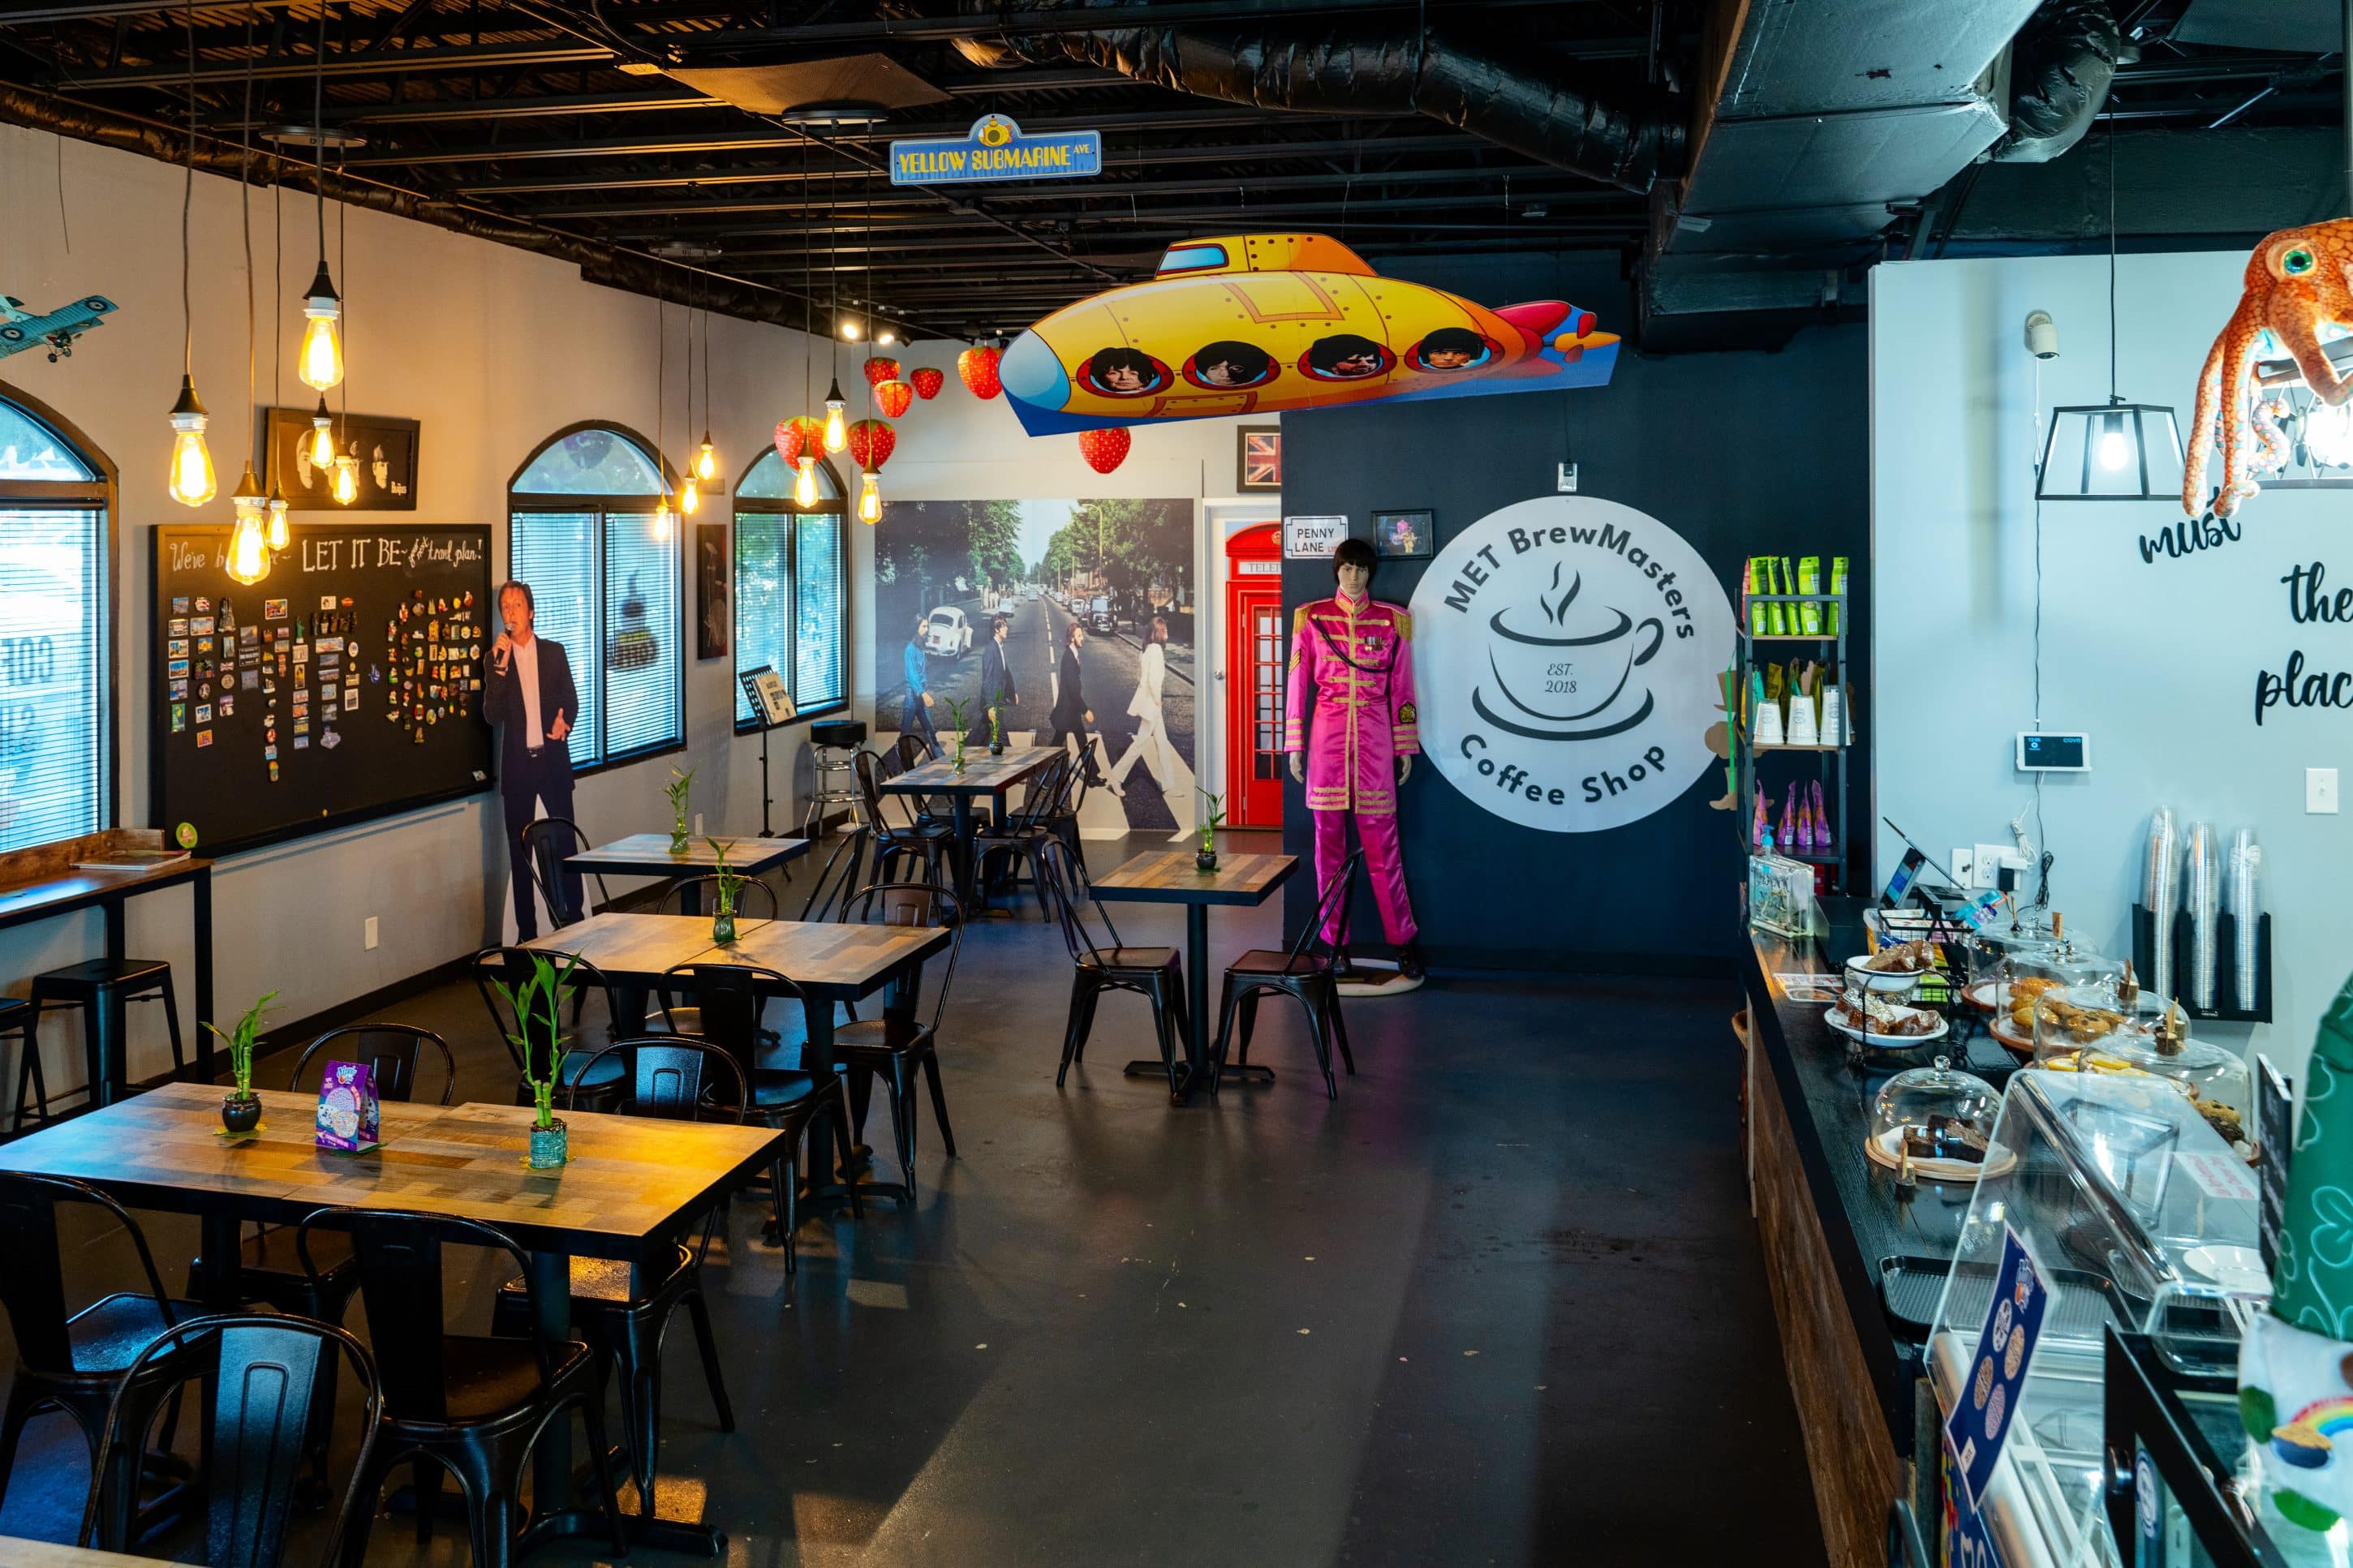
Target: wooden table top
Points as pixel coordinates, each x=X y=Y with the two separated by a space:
x=633 y=1183
x=64 y=891
x=634 y=946
x=983 y=773
x=831 y=960
x=1170 y=877
x=648 y=855
x=18 y=1552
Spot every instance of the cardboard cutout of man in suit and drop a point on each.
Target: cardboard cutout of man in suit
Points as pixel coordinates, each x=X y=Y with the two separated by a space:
x=529 y=695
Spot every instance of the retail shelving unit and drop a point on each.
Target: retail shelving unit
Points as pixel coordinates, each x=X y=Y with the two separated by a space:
x=1830 y=760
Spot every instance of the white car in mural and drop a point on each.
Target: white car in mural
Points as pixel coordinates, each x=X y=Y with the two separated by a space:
x=946 y=632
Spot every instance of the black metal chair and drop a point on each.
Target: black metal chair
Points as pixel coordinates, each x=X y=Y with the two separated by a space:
x=1018 y=838
x=548 y=842
x=839 y=875
x=676 y=1080
x=473 y=1404
x=68 y=1361
x=729 y=998
x=266 y=1380
x=98 y=989
x=1309 y=969
x=513 y=966
x=928 y=810
x=898 y=1043
x=1156 y=974
x=18 y=1021
x=933 y=844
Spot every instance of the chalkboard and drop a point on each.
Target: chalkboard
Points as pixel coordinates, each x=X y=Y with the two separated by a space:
x=345 y=685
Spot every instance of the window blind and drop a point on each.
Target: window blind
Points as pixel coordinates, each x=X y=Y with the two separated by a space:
x=555 y=552
x=53 y=674
x=643 y=659
x=820 y=612
x=763 y=600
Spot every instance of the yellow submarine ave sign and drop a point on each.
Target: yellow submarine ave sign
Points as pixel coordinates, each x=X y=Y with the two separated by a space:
x=996 y=149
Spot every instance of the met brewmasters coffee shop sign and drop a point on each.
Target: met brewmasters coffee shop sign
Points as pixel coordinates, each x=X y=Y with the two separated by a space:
x=1566 y=652
x=996 y=149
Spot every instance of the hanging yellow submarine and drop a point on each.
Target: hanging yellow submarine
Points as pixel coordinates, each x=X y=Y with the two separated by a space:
x=1263 y=322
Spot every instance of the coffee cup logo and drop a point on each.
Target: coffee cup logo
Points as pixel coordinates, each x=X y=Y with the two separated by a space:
x=1565 y=651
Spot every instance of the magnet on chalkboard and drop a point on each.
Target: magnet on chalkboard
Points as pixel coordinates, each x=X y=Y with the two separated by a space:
x=273 y=609
x=204 y=605
x=403 y=612
x=204 y=738
x=331 y=739
x=228 y=705
x=347 y=601
x=179 y=689
x=269 y=754
x=179 y=717
x=180 y=605
x=420 y=735
x=273 y=773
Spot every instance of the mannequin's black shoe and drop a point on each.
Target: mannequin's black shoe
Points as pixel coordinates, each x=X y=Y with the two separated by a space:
x=1409 y=961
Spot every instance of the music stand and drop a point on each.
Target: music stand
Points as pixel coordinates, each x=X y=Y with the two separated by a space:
x=772 y=708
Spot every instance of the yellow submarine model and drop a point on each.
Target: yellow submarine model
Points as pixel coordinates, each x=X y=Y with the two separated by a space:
x=1259 y=323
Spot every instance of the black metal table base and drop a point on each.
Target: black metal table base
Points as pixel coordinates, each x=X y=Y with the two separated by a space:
x=1181 y=1082
x=1249 y=1072
x=668 y=1534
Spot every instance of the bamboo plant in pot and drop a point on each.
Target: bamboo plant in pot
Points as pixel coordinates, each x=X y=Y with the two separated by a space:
x=955 y=717
x=538 y=1008
x=241 y=1108
x=729 y=883
x=1212 y=820
x=679 y=786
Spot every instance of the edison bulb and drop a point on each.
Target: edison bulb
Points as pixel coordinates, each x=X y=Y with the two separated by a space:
x=192 y=479
x=347 y=479
x=849 y=330
x=706 y=460
x=665 y=522
x=280 y=536
x=805 y=480
x=321 y=361
x=321 y=440
x=689 y=496
x=869 y=498
x=248 y=542
x=837 y=425
x=2328 y=435
x=2114 y=450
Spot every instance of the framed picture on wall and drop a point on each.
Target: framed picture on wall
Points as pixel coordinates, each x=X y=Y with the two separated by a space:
x=714 y=613
x=1408 y=534
x=384 y=461
x=1259 y=462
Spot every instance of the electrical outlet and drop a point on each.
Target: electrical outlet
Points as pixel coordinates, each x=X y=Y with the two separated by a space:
x=368 y=935
x=1963 y=865
x=1990 y=859
x=2321 y=792
x=1567 y=483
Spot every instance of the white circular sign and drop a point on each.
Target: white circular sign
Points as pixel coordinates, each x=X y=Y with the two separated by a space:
x=1565 y=656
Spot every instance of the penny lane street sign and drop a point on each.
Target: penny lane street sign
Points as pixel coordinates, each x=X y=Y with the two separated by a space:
x=996 y=149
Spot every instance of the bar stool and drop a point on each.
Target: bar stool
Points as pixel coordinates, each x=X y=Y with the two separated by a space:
x=16 y=1017
x=833 y=761
x=98 y=988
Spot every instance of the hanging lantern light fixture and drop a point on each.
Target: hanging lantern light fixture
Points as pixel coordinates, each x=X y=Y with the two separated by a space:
x=249 y=540
x=191 y=480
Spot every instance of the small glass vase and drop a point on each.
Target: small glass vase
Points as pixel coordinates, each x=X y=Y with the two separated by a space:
x=548 y=1147
x=722 y=927
x=240 y=1111
x=678 y=842
x=959 y=757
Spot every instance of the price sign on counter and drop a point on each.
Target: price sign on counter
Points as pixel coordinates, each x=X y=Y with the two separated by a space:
x=1981 y=1417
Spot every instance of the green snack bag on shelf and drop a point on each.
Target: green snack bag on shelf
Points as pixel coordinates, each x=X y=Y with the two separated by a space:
x=1777 y=618
x=1809 y=581
x=1756 y=580
x=1838 y=587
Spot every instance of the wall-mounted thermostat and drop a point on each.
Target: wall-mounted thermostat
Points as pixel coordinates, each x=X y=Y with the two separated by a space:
x=2053 y=752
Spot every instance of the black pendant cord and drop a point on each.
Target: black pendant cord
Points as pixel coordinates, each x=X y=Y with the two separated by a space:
x=188 y=198
x=245 y=222
x=808 y=287
x=319 y=129
x=277 y=290
x=2112 y=260
x=662 y=378
x=342 y=216
x=690 y=362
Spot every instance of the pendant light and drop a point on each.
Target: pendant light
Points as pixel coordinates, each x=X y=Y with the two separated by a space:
x=280 y=536
x=804 y=464
x=2115 y=450
x=249 y=540
x=191 y=478
x=347 y=479
x=665 y=520
x=837 y=425
x=689 y=493
x=347 y=464
x=320 y=361
x=869 y=479
x=706 y=457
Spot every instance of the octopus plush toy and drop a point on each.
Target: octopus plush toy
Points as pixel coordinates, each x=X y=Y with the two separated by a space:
x=2298 y=280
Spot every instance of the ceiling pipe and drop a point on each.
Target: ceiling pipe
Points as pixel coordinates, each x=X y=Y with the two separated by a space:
x=1395 y=73
x=2062 y=64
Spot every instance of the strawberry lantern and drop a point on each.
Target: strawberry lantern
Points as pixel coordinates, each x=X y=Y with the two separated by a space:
x=979 y=369
x=893 y=398
x=927 y=382
x=798 y=436
x=1105 y=449
x=872 y=442
x=878 y=371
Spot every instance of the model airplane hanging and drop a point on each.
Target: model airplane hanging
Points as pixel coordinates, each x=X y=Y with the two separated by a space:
x=1263 y=322
x=21 y=329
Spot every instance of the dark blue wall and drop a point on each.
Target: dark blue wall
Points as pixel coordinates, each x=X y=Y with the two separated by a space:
x=1742 y=454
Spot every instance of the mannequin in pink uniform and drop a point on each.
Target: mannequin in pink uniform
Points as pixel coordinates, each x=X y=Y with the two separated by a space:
x=1351 y=658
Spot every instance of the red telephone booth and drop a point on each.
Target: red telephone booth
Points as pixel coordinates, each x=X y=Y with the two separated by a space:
x=1257 y=655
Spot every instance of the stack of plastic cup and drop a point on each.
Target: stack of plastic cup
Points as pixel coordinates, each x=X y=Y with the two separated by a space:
x=2201 y=895
x=2244 y=895
x=2161 y=895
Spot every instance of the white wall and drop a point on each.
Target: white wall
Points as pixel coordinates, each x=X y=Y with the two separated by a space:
x=2158 y=661
x=493 y=349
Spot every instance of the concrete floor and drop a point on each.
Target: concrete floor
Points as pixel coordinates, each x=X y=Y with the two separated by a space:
x=1501 y=1303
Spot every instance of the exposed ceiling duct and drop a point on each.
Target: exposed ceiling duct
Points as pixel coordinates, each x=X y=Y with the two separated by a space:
x=2062 y=66
x=1395 y=73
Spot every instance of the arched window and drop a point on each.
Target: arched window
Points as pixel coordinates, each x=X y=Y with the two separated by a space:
x=608 y=584
x=56 y=622
x=792 y=609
